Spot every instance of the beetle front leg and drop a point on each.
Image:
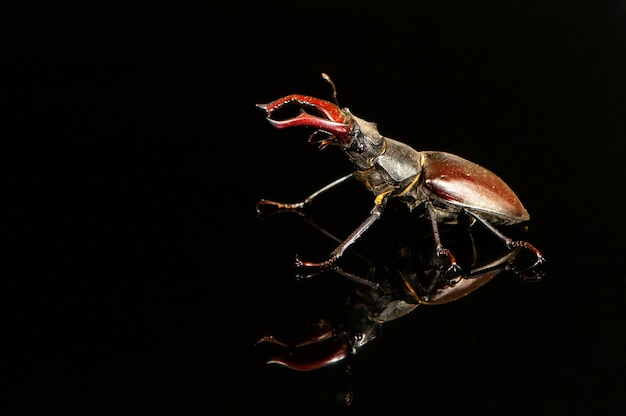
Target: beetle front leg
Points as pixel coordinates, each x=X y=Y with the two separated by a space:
x=375 y=214
x=306 y=201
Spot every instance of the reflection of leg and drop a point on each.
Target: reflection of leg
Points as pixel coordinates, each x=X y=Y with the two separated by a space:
x=303 y=203
x=511 y=244
x=356 y=278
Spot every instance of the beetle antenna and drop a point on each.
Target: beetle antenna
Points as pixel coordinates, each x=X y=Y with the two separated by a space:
x=332 y=84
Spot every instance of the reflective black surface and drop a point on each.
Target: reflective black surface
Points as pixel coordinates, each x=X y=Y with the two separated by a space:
x=137 y=277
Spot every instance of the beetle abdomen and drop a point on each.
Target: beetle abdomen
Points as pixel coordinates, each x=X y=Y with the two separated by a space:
x=460 y=182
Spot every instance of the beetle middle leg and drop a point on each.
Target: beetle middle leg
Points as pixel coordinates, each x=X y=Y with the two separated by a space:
x=454 y=269
x=529 y=272
x=306 y=201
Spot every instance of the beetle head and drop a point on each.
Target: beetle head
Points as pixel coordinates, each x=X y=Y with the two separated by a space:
x=366 y=142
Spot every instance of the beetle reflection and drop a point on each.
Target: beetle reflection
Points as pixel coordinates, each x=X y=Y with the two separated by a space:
x=392 y=289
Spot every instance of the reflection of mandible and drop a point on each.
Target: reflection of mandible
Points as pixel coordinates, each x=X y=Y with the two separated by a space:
x=441 y=186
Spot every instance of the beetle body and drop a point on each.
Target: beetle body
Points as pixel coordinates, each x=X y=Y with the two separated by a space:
x=447 y=180
x=442 y=186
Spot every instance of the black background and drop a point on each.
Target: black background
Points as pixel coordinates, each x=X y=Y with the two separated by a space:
x=137 y=276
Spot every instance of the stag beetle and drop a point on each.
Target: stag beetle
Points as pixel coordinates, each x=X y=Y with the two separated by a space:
x=440 y=186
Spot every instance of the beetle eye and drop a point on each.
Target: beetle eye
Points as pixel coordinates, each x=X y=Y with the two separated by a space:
x=357 y=143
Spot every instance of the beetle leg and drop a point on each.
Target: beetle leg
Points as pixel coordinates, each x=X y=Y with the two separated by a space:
x=351 y=276
x=375 y=213
x=282 y=206
x=529 y=273
x=454 y=269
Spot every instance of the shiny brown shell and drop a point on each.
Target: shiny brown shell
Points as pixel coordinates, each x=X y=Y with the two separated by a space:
x=458 y=181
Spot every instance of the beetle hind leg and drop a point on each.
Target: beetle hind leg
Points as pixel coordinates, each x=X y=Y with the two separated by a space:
x=534 y=271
